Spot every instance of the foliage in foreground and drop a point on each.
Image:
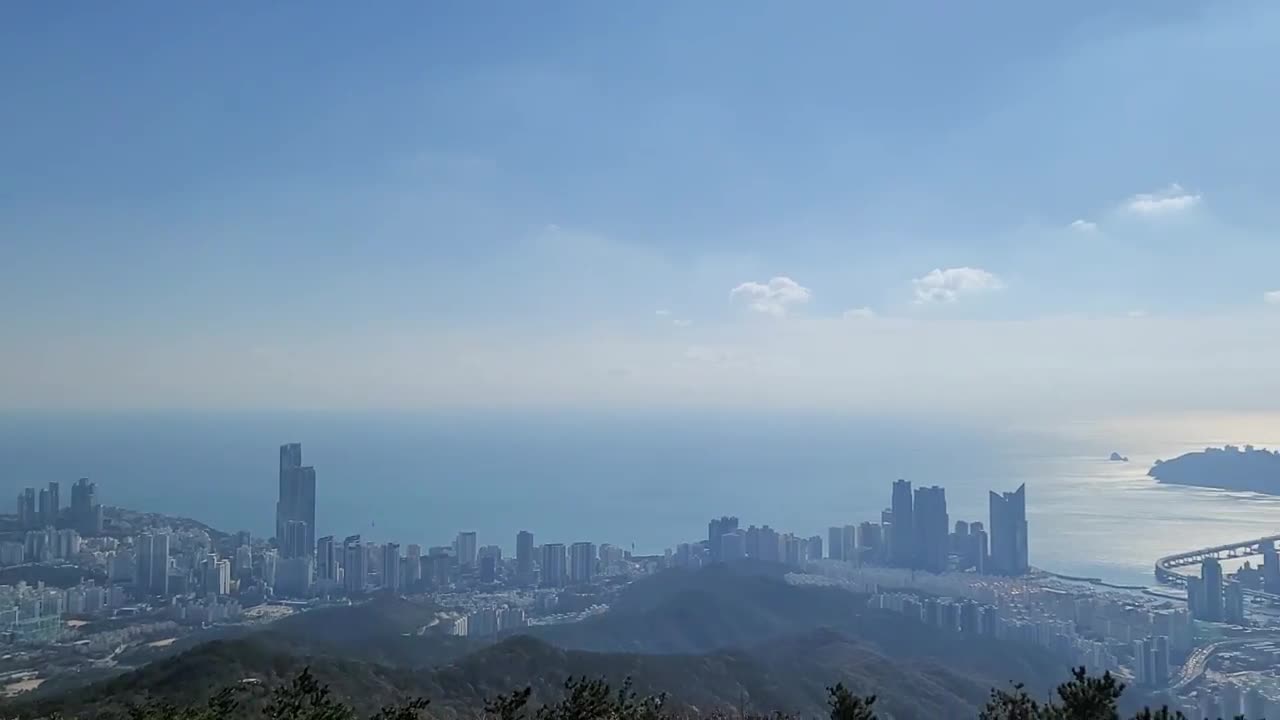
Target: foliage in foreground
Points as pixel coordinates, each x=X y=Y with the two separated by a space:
x=1084 y=697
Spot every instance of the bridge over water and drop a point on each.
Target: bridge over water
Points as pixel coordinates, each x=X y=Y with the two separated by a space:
x=1169 y=569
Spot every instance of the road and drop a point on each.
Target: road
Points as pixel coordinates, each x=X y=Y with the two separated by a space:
x=1198 y=660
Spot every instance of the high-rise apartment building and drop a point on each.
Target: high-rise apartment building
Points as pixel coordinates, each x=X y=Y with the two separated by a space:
x=553 y=565
x=294 y=542
x=297 y=500
x=465 y=548
x=582 y=563
x=355 y=570
x=902 y=531
x=45 y=512
x=932 y=529
x=524 y=557
x=1008 y=533
x=1211 y=574
x=391 y=579
x=835 y=543
x=28 y=510
x=716 y=529
x=86 y=515
x=412 y=565
x=326 y=559
x=152 y=575
x=733 y=546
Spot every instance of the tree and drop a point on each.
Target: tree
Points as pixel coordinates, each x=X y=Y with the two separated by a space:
x=847 y=706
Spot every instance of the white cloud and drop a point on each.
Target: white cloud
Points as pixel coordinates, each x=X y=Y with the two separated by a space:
x=1137 y=313
x=1083 y=226
x=681 y=322
x=1170 y=200
x=858 y=313
x=662 y=313
x=1272 y=297
x=773 y=298
x=950 y=284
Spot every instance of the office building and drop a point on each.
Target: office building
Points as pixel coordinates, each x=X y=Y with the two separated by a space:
x=294 y=541
x=582 y=563
x=152 y=574
x=1211 y=574
x=354 y=564
x=932 y=529
x=297 y=499
x=391 y=579
x=524 y=557
x=554 y=572
x=1008 y=533
x=464 y=547
x=28 y=510
x=902 y=532
x=717 y=529
x=326 y=560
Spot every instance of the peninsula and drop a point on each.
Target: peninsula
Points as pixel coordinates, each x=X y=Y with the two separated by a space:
x=1229 y=468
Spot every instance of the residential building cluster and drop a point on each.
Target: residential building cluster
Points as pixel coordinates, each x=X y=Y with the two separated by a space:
x=915 y=532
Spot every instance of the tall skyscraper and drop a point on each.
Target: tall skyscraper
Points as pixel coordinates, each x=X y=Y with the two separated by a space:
x=412 y=564
x=1211 y=573
x=294 y=542
x=355 y=570
x=835 y=543
x=326 y=559
x=524 y=557
x=716 y=529
x=1009 y=533
x=553 y=565
x=85 y=514
x=933 y=529
x=1270 y=568
x=902 y=531
x=152 y=576
x=46 y=512
x=391 y=579
x=582 y=563
x=297 y=500
x=465 y=548
x=28 y=511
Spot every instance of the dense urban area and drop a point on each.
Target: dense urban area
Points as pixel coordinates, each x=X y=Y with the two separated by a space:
x=96 y=589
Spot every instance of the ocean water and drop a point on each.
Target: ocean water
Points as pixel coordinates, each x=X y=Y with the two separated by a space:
x=650 y=480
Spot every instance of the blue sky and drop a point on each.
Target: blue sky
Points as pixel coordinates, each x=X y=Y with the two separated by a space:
x=933 y=206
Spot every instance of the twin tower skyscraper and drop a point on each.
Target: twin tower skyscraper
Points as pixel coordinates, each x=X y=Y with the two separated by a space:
x=296 y=508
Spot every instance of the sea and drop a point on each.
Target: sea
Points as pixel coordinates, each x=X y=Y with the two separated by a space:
x=647 y=481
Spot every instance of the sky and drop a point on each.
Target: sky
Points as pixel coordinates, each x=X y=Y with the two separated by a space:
x=999 y=208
